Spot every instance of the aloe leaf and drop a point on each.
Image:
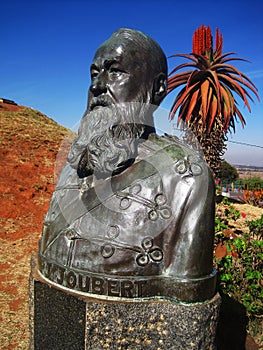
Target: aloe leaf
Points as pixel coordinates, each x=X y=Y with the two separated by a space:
x=213 y=112
x=192 y=105
x=190 y=57
x=233 y=85
x=180 y=67
x=204 y=95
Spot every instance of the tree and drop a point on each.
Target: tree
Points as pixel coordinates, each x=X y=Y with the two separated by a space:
x=206 y=103
x=227 y=172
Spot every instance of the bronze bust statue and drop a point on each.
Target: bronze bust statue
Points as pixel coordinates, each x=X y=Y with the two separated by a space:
x=132 y=215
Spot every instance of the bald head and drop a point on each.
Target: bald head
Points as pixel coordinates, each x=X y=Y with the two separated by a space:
x=129 y=67
x=151 y=55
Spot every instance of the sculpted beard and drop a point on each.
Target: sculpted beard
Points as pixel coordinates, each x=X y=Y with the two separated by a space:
x=108 y=139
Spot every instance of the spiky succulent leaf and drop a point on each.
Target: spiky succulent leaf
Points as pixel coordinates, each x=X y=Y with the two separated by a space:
x=210 y=73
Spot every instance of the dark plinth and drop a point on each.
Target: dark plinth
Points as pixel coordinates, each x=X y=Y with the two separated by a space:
x=61 y=319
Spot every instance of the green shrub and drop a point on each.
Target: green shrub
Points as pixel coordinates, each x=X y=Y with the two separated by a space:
x=240 y=270
x=252 y=182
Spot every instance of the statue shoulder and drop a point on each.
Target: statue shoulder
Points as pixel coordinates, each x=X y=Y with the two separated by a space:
x=176 y=148
x=186 y=159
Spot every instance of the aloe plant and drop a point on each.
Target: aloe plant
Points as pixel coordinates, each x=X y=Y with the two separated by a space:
x=206 y=103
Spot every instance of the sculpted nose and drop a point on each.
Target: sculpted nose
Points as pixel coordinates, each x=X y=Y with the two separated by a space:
x=98 y=86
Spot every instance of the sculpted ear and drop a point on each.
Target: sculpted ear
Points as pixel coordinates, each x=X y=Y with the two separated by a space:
x=159 y=88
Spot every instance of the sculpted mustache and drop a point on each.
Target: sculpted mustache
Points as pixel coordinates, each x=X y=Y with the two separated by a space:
x=101 y=101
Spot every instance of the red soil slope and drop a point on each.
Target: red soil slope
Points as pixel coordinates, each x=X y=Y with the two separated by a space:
x=29 y=145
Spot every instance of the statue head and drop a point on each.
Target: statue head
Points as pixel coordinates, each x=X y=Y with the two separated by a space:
x=128 y=82
x=129 y=67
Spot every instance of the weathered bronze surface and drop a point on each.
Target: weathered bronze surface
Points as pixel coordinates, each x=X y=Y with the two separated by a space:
x=133 y=213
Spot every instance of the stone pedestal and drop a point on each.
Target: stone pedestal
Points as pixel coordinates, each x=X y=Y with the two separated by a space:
x=64 y=320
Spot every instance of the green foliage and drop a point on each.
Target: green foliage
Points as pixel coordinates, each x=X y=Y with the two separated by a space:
x=229 y=211
x=256 y=226
x=252 y=182
x=219 y=225
x=240 y=271
x=228 y=173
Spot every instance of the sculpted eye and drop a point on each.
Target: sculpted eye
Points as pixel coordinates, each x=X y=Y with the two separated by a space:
x=115 y=71
x=94 y=73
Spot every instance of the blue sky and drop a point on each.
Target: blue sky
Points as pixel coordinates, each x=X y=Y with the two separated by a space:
x=47 y=47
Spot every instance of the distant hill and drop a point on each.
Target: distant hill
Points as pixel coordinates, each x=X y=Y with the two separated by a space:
x=249 y=171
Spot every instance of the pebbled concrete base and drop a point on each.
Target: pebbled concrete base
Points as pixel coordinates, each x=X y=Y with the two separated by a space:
x=64 y=320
